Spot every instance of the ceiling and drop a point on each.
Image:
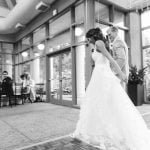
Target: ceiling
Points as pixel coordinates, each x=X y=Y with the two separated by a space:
x=23 y=11
x=14 y=13
x=6 y=6
x=139 y=4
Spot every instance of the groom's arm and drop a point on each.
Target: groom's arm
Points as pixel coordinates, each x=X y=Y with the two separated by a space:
x=120 y=56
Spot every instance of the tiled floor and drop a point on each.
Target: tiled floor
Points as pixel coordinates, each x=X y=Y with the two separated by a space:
x=37 y=126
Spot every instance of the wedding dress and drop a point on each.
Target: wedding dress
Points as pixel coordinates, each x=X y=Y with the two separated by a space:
x=108 y=119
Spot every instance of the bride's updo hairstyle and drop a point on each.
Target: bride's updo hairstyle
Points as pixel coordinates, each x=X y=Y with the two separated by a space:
x=96 y=34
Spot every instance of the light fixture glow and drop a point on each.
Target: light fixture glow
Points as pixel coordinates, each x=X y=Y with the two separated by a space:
x=50 y=49
x=36 y=54
x=24 y=54
x=58 y=46
x=78 y=31
x=41 y=46
x=7 y=61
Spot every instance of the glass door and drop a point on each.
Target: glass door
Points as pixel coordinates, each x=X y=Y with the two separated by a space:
x=66 y=75
x=60 y=78
x=55 y=79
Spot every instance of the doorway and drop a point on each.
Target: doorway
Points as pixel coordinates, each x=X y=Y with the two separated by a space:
x=60 y=77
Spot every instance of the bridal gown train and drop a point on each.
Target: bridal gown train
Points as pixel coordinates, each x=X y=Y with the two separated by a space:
x=108 y=119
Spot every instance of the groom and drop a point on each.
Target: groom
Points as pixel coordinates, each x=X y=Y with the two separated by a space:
x=119 y=51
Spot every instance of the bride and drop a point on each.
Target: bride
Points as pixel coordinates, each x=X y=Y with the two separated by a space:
x=108 y=119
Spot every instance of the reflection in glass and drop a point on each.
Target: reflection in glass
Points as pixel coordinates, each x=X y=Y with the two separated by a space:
x=101 y=12
x=146 y=37
x=55 y=77
x=145 y=21
x=66 y=76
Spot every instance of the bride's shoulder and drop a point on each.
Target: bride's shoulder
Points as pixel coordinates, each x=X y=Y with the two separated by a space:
x=100 y=43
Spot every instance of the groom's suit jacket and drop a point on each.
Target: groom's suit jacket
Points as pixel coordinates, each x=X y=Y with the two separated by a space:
x=120 y=54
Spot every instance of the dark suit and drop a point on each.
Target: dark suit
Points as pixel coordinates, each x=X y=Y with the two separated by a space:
x=7 y=88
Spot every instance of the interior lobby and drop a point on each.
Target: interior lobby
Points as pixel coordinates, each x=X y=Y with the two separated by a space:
x=47 y=39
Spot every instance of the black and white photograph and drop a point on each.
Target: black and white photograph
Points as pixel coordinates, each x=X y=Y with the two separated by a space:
x=74 y=74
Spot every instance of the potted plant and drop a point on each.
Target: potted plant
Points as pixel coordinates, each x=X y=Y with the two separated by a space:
x=135 y=85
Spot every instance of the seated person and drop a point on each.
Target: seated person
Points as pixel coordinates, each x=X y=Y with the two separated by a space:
x=28 y=86
x=7 y=85
x=31 y=84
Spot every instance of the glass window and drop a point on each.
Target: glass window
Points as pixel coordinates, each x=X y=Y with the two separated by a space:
x=60 y=25
x=25 y=55
x=101 y=12
x=18 y=47
x=7 y=68
x=20 y=58
x=146 y=37
x=26 y=43
x=39 y=49
x=145 y=21
x=26 y=67
x=20 y=69
x=146 y=62
x=7 y=48
x=119 y=18
x=79 y=13
x=16 y=59
x=17 y=75
x=39 y=34
x=7 y=59
x=59 y=42
x=38 y=71
x=146 y=57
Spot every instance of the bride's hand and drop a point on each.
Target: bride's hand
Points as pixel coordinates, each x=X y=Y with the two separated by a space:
x=123 y=77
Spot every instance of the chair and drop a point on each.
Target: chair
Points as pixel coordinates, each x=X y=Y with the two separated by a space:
x=18 y=92
x=26 y=94
x=39 y=92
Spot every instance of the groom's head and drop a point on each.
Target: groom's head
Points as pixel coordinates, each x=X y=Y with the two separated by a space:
x=112 y=33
